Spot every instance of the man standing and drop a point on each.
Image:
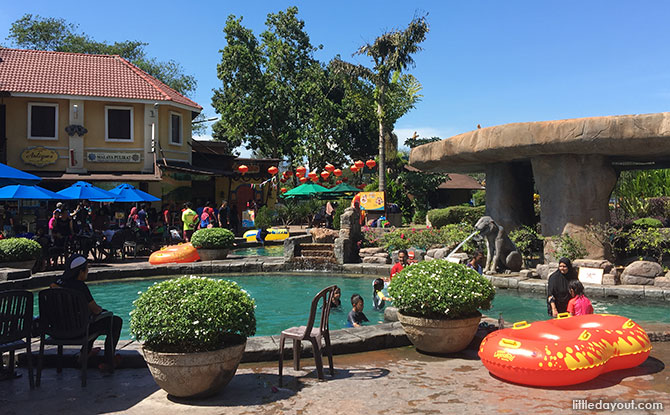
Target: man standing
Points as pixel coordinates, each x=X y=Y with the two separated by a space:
x=402 y=263
x=190 y=220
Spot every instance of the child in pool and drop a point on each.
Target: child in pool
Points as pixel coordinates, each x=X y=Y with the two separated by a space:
x=378 y=297
x=578 y=305
x=335 y=301
x=356 y=316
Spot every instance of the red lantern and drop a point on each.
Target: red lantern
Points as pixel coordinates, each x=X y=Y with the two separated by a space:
x=283 y=180
x=301 y=170
x=243 y=169
x=371 y=164
x=338 y=182
x=273 y=170
x=359 y=164
x=353 y=169
x=303 y=179
x=312 y=174
x=315 y=179
x=298 y=174
x=325 y=175
x=337 y=172
x=330 y=168
x=361 y=186
x=283 y=190
x=288 y=173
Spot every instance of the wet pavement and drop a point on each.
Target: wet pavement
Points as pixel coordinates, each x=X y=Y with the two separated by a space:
x=391 y=381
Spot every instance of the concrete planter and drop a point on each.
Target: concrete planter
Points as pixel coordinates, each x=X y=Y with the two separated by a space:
x=439 y=336
x=212 y=254
x=194 y=375
x=19 y=264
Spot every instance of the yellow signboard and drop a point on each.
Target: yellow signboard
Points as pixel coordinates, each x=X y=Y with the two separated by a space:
x=372 y=200
x=39 y=156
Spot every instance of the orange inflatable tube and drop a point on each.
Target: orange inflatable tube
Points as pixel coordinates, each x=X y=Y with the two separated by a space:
x=175 y=253
x=564 y=351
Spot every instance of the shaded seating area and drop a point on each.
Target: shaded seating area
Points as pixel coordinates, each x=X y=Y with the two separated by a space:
x=16 y=317
x=315 y=335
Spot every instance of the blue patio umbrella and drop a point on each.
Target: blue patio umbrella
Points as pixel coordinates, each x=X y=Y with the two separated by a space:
x=128 y=193
x=86 y=191
x=24 y=192
x=10 y=175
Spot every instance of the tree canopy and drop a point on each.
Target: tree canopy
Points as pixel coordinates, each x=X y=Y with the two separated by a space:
x=49 y=33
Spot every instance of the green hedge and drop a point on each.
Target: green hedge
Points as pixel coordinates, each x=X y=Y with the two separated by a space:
x=213 y=238
x=648 y=223
x=19 y=249
x=455 y=214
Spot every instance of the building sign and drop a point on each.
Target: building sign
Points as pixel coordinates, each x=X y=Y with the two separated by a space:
x=372 y=200
x=97 y=157
x=39 y=156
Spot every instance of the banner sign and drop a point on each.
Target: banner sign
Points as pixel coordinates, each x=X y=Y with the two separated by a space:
x=591 y=275
x=372 y=200
x=39 y=156
x=97 y=157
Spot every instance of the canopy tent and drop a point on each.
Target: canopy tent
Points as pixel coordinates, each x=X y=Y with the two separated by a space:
x=24 y=192
x=341 y=190
x=304 y=191
x=128 y=193
x=86 y=191
x=10 y=175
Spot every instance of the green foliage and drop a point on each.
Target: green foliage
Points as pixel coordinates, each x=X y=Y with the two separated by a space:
x=263 y=218
x=416 y=142
x=342 y=204
x=634 y=188
x=213 y=238
x=568 y=247
x=527 y=241
x=479 y=197
x=40 y=33
x=419 y=217
x=644 y=242
x=403 y=238
x=441 y=289
x=421 y=185
x=648 y=223
x=297 y=211
x=455 y=214
x=19 y=249
x=192 y=314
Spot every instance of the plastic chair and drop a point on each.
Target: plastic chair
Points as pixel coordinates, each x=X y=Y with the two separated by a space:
x=16 y=318
x=65 y=318
x=311 y=333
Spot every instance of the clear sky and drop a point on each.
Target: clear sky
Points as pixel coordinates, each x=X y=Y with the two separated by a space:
x=484 y=62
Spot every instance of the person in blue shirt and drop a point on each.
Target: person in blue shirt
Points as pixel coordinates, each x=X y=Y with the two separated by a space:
x=356 y=316
x=476 y=262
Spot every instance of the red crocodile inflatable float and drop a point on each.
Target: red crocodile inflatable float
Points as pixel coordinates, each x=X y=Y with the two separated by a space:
x=564 y=351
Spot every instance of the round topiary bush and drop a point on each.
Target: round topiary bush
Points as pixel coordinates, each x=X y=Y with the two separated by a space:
x=213 y=238
x=19 y=249
x=192 y=314
x=440 y=289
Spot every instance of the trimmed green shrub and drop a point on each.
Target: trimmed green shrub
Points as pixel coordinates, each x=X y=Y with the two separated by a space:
x=648 y=223
x=19 y=249
x=455 y=214
x=263 y=219
x=192 y=314
x=440 y=289
x=419 y=217
x=479 y=197
x=403 y=238
x=213 y=238
x=527 y=241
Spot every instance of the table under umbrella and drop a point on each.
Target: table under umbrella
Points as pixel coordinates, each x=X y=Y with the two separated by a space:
x=86 y=191
x=10 y=175
x=129 y=193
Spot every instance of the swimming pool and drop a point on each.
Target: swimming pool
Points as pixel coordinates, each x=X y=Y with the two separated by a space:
x=283 y=300
x=269 y=250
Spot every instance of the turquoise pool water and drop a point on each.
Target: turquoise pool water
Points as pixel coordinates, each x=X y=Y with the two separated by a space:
x=270 y=250
x=283 y=301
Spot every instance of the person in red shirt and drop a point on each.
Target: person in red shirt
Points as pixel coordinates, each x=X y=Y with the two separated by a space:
x=578 y=305
x=402 y=263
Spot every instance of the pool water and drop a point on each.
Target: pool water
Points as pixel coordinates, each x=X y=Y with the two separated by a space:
x=283 y=301
x=270 y=250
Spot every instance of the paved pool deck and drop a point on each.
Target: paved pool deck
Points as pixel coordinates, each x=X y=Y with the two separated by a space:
x=391 y=381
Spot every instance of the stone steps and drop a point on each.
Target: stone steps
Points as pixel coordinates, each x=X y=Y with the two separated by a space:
x=316 y=247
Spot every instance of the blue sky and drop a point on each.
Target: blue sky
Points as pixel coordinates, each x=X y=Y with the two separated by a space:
x=484 y=62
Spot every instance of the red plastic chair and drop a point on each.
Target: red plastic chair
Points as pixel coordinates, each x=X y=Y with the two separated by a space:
x=311 y=333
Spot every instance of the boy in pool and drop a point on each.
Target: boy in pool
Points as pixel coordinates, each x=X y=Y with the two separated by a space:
x=356 y=316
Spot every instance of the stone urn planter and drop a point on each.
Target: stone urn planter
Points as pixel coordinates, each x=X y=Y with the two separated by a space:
x=194 y=375
x=29 y=264
x=212 y=254
x=439 y=335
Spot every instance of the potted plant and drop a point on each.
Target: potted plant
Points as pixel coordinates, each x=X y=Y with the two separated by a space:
x=193 y=332
x=19 y=253
x=438 y=304
x=212 y=243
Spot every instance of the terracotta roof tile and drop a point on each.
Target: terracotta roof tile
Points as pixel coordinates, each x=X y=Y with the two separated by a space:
x=61 y=73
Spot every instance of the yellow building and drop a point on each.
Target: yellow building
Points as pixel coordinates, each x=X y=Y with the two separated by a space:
x=67 y=117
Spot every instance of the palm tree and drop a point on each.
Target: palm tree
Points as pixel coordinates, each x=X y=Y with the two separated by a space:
x=391 y=53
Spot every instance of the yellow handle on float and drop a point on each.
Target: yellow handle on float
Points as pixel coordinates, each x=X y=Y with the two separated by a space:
x=563 y=315
x=509 y=343
x=520 y=325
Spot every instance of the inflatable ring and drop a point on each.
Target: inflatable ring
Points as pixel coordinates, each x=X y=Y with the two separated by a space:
x=274 y=234
x=564 y=351
x=179 y=254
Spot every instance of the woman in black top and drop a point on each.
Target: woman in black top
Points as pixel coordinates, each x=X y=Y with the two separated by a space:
x=558 y=294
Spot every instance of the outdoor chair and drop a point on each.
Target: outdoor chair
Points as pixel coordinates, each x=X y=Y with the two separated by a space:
x=16 y=318
x=311 y=333
x=65 y=319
